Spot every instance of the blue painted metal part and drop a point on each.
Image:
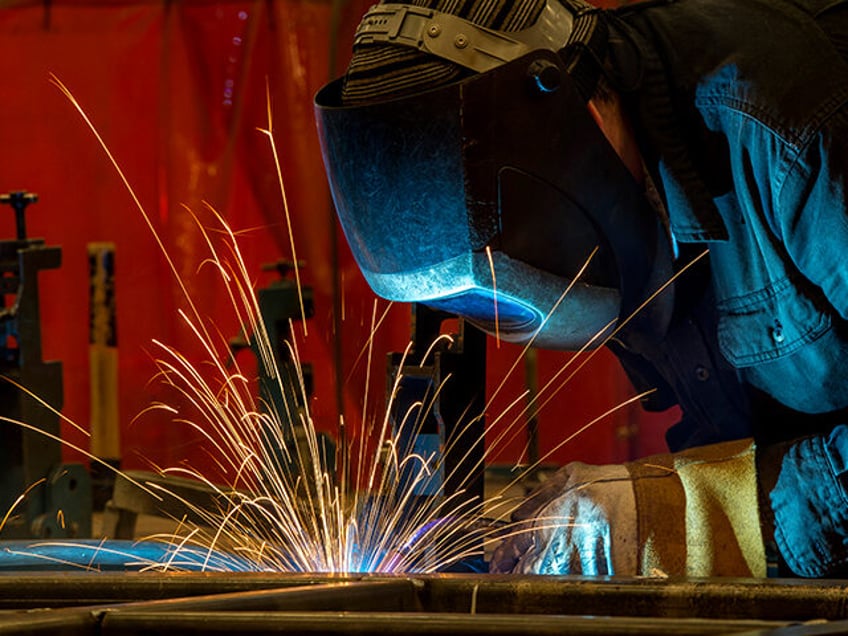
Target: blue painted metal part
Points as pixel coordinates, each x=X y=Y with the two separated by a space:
x=115 y=555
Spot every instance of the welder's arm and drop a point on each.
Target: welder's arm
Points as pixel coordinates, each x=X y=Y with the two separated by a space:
x=804 y=487
x=691 y=513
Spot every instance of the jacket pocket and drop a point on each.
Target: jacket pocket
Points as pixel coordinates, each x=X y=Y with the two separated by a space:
x=768 y=324
x=783 y=344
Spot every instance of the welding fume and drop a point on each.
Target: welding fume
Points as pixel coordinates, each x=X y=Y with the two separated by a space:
x=666 y=179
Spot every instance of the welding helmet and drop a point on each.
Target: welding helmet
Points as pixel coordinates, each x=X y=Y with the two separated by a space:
x=486 y=197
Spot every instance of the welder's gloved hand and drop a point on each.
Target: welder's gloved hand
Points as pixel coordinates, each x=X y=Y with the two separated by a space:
x=580 y=519
x=693 y=513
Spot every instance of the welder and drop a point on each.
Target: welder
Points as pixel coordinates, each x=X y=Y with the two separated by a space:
x=606 y=153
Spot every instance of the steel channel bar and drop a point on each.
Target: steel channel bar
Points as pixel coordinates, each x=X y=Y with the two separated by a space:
x=396 y=595
x=24 y=590
x=343 y=596
x=772 y=599
x=766 y=599
x=399 y=595
x=84 y=600
x=121 y=623
x=48 y=623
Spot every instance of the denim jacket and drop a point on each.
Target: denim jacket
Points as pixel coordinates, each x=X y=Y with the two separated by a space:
x=741 y=111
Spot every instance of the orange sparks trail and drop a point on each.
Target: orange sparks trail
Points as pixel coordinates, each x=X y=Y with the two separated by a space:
x=279 y=508
x=494 y=295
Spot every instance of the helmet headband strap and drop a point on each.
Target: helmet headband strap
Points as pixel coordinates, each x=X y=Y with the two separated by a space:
x=460 y=41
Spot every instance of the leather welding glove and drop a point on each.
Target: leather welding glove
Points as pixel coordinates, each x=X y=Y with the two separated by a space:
x=692 y=513
x=566 y=526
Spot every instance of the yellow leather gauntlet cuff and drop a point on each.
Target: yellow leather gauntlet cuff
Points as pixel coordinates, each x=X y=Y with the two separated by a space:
x=697 y=512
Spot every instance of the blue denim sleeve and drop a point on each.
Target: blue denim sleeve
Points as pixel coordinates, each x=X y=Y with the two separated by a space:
x=810 y=505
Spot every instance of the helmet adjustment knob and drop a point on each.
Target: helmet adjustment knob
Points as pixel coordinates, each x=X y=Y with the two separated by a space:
x=544 y=76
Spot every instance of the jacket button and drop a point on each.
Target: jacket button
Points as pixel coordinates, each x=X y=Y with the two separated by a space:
x=777 y=332
x=702 y=373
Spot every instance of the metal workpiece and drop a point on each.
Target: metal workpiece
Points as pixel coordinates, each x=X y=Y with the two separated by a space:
x=714 y=598
x=126 y=623
x=267 y=603
x=158 y=609
x=38 y=590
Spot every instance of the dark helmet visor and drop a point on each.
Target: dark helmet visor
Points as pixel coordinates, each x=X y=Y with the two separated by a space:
x=493 y=189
